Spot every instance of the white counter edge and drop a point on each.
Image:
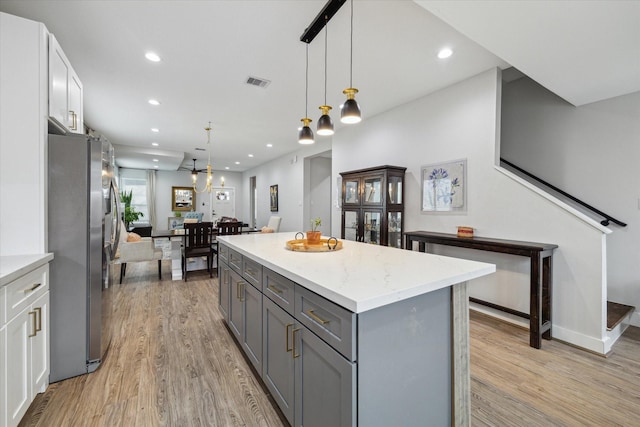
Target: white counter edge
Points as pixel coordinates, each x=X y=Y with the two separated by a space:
x=15 y=266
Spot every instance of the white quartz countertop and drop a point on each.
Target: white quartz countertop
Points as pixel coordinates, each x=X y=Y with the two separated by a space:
x=14 y=266
x=360 y=276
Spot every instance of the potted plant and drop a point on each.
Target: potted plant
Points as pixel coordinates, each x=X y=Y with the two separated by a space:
x=313 y=236
x=130 y=213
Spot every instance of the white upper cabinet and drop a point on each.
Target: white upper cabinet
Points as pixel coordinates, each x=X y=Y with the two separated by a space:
x=65 y=91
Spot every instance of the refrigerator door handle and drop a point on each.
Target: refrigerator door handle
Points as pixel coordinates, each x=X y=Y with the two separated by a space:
x=115 y=197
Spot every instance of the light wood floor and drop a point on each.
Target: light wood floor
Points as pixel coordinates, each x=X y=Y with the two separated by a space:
x=172 y=362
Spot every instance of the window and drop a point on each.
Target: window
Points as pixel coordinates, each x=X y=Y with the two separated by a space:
x=138 y=187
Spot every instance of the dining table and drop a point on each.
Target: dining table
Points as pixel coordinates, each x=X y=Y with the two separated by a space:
x=171 y=242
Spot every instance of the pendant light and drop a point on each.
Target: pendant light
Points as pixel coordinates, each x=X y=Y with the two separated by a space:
x=305 y=136
x=350 y=112
x=325 y=125
x=194 y=172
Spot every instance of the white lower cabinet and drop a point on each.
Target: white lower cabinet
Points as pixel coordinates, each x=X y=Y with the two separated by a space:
x=26 y=344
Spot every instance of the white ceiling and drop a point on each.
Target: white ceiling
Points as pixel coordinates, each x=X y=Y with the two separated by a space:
x=209 y=48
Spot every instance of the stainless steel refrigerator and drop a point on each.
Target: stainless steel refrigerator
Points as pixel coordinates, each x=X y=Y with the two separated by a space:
x=83 y=233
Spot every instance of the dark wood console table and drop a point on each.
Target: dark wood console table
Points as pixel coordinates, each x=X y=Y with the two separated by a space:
x=541 y=274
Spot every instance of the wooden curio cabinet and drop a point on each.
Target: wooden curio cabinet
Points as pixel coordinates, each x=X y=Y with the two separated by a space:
x=373 y=205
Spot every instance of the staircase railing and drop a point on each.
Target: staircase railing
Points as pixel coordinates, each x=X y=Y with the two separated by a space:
x=607 y=218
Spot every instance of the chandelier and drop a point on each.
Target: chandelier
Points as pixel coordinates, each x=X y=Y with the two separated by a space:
x=194 y=172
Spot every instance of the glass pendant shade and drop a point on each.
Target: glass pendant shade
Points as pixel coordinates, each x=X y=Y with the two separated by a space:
x=325 y=124
x=305 y=136
x=350 y=112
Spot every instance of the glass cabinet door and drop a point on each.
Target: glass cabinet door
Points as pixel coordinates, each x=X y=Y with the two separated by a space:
x=394 y=230
x=351 y=194
x=372 y=193
x=395 y=190
x=372 y=221
x=350 y=225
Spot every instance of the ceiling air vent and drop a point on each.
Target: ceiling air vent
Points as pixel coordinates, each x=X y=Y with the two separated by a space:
x=255 y=81
x=200 y=149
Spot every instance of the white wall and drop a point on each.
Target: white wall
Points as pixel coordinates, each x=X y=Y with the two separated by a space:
x=461 y=122
x=23 y=136
x=591 y=152
x=318 y=194
x=288 y=173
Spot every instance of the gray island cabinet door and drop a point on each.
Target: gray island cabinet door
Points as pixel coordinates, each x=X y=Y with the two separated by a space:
x=325 y=383
x=236 y=315
x=224 y=290
x=277 y=363
x=252 y=333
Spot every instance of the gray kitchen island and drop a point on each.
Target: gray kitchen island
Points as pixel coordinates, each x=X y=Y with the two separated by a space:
x=366 y=335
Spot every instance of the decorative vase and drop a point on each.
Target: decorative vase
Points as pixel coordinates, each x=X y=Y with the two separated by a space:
x=313 y=237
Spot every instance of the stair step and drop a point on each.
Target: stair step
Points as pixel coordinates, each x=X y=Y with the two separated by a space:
x=616 y=313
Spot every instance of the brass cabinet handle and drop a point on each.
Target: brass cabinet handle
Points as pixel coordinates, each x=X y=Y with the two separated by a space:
x=274 y=289
x=250 y=270
x=239 y=290
x=317 y=318
x=39 y=311
x=286 y=331
x=33 y=288
x=293 y=337
x=33 y=324
x=74 y=120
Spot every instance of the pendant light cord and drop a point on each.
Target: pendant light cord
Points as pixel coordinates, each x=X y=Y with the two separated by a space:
x=326 y=28
x=351 y=55
x=306 y=84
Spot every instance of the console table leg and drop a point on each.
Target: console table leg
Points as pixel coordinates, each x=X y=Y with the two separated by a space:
x=535 y=309
x=547 y=279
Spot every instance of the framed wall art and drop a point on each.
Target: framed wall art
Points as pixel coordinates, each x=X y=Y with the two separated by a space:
x=273 y=192
x=444 y=187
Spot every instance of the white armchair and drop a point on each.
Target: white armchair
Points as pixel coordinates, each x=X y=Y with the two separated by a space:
x=273 y=225
x=138 y=251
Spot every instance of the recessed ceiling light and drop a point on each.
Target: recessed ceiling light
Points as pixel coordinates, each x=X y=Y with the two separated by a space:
x=269 y=145
x=154 y=102
x=250 y=155
x=155 y=130
x=226 y=167
x=152 y=56
x=155 y=144
x=237 y=163
x=445 y=53
x=155 y=166
x=155 y=160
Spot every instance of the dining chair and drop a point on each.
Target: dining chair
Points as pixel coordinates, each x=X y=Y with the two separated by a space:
x=226 y=228
x=197 y=243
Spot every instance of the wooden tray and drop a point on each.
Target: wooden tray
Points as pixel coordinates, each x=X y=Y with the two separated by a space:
x=302 y=245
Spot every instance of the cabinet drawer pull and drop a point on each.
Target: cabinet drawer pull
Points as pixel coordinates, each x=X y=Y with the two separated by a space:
x=274 y=289
x=39 y=311
x=317 y=318
x=34 y=331
x=293 y=337
x=251 y=271
x=286 y=331
x=33 y=288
